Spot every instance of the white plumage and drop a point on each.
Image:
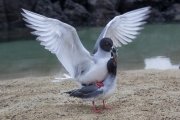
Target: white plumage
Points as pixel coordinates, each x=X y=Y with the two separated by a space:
x=123 y=29
x=59 y=38
x=62 y=40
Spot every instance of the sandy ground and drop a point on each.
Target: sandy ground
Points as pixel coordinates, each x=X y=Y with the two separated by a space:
x=140 y=95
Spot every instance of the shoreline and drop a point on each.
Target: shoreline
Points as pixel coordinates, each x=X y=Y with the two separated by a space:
x=139 y=95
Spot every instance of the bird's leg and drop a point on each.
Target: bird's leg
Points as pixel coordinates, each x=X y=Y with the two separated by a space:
x=94 y=109
x=106 y=107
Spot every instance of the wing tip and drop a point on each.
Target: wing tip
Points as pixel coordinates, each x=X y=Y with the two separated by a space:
x=24 y=10
x=34 y=33
x=147 y=8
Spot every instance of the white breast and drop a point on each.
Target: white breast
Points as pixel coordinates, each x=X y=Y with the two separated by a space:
x=98 y=72
x=109 y=90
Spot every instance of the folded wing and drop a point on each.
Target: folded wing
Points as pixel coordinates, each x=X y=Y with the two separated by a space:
x=62 y=40
x=124 y=28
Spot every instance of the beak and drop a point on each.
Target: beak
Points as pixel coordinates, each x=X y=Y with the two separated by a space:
x=113 y=52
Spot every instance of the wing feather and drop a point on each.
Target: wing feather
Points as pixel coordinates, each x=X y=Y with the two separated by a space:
x=60 y=39
x=124 y=28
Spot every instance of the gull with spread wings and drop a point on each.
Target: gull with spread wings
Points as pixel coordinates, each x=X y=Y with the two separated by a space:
x=62 y=40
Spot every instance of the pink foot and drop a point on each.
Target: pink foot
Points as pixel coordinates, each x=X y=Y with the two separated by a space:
x=107 y=107
x=96 y=111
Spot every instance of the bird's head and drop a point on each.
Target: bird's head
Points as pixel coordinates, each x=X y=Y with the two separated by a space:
x=106 y=44
x=112 y=66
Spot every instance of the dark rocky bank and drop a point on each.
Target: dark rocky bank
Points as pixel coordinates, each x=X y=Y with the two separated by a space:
x=85 y=12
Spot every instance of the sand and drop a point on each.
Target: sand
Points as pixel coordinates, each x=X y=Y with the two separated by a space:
x=140 y=95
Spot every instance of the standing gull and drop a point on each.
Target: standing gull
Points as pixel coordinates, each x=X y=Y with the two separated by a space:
x=99 y=91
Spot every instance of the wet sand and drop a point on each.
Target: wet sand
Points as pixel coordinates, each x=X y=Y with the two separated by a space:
x=140 y=95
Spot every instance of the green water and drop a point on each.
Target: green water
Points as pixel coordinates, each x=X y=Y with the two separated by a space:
x=29 y=58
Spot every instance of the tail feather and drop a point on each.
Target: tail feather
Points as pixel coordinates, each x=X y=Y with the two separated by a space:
x=69 y=92
x=72 y=92
x=69 y=78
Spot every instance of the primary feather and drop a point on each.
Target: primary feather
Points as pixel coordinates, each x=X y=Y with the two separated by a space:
x=124 y=28
x=62 y=40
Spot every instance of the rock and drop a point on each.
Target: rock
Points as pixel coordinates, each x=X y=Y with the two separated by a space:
x=13 y=11
x=76 y=13
x=177 y=7
x=162 y=10
x=102 y=11
x=3 y=20
x=81 y=2
x=173 y=13
x=85 y=12
x=101 y=17
x=156 y=16
x=46 y=8
x=102 y=4
x=56 y=7
x=53 y=1
x=127 y=5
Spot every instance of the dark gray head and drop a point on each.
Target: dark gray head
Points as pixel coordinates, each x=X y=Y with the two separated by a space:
x=112 y=66
x=106 y=44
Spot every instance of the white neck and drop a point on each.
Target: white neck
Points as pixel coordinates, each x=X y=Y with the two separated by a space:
x=102 y=54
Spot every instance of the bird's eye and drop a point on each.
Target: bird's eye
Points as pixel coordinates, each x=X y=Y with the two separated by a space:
x=107 y=43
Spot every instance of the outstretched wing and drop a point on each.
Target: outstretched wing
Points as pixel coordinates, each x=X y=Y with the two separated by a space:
x=124 y=28
x=62 y=40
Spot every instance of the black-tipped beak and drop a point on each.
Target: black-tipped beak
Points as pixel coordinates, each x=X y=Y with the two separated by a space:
x=114 y=53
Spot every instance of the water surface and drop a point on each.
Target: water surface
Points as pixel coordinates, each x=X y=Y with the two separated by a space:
x=28 y=58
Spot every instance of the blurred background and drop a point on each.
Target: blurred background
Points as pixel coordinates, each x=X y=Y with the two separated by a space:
x=158 y=45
